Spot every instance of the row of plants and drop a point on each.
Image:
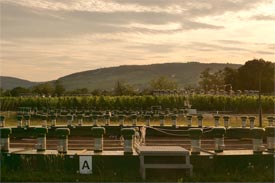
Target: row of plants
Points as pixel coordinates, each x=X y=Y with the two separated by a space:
x=234 y=104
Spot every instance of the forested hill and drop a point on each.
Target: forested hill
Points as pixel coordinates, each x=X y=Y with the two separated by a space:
x=8 y=83
x=186 y=74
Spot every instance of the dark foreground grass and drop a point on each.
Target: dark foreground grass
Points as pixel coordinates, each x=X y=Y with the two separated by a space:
x=236 y=168
x=248 y=175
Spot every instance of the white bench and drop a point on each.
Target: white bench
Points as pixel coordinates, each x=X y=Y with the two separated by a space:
x=161 y=151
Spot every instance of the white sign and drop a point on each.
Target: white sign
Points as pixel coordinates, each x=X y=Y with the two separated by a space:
x=85 y=164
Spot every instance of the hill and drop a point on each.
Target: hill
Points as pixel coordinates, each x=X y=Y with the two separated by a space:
x=186 y=74
x=8 y=83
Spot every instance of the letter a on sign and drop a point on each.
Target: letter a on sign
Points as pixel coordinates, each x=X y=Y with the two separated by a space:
x=85 y=164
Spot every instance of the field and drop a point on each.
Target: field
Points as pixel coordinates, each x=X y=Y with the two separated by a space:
x=61 y=168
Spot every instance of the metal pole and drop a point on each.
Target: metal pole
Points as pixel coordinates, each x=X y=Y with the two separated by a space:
x=260 y=101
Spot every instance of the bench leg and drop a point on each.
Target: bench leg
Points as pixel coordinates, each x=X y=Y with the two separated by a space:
x=191 y=171
x=142 y=168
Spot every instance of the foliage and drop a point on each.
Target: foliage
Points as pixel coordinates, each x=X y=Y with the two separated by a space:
x=210 y=80
x=163 y=82
x=122 y=88
x=236 y=104
x=256 y=71
x=256 y=74
x=78 y=91
x=59 y=88
x=2 y=91
x=19 y=90
x=139 y=75
x=46 y=89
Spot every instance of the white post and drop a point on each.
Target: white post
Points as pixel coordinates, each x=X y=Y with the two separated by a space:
x=251 y=120
x=128 y=135
x=200 y=118
x=217 y=119
x=41 y=138
x=270 y=120
x=257 y=139
x=226 y=121
x=63 y=139
x=19 y=121
x=244 y=119
x=189 y=120
x=97 y=133
x=270 y=137
x=174 y=120
x=218 y=133
x=195 y=135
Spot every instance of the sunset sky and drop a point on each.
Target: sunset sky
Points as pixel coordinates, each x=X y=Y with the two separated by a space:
x=45 y=39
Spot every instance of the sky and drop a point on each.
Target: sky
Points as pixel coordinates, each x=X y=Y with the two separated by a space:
x=43 y=40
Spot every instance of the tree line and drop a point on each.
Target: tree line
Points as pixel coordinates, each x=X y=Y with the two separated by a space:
x=120 y=88
x=256 y=74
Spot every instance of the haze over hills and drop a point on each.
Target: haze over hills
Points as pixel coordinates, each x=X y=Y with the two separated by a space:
x=186 y=74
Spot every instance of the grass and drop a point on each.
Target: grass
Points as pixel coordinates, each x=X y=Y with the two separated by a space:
x=204 y=171
x=38 y=176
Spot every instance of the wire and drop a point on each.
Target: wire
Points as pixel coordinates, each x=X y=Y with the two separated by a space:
x=171 y=130
x=207 y=130
x=172 y=134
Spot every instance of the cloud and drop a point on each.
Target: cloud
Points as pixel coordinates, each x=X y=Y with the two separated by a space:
x=57 y=35
x=198 y=25
x=86 y=5
x=20 y=21
x=263 y=17
x=213 y=47
x=230 y=42
x=184 y=7
x=266 y=52
x=154 y=48
x=199 y=8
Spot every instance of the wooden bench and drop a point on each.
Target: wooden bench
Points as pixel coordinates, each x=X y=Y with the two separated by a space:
x=154 y=157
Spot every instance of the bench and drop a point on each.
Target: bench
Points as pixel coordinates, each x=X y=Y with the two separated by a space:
x=155 y=157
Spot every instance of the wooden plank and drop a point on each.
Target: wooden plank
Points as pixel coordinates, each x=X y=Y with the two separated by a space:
x=168 y=166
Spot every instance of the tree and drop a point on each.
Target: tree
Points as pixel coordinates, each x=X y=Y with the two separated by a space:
x=82 y=91
x=99 y=92
x=58 y=88
x=121 y=88
x=2 y=92
x=17 y=91
x=231 y=76
x=205 y=79
x=46 y=89
x=255 y=71
x=252 y=75
x=163 y=83
x=210 y=80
